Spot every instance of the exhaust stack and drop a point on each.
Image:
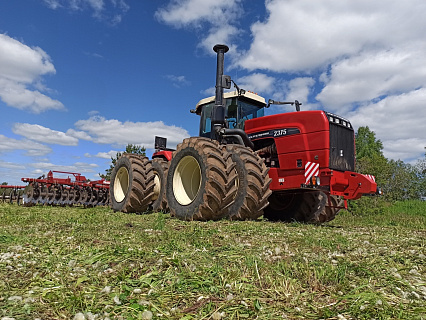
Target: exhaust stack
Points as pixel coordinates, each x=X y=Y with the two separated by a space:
x=222 y=81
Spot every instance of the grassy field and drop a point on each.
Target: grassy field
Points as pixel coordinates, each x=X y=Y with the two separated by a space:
x=75 y=263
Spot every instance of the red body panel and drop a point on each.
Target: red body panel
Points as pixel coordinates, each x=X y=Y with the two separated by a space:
x=351 y=185
x=165 y=154
x=310 y=145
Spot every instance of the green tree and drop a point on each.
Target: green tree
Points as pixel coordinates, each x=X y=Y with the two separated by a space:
x=4 y=183
x=401 y=182
x=398 y=180
x=420 y=171
x=130 y=148
x=369 y=160
x=369 y=155
x=367 y=145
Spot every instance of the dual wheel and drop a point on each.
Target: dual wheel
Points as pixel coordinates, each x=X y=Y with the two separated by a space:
x=209 y=181
x=303 y=206
x=205 y=181
x=138 y=184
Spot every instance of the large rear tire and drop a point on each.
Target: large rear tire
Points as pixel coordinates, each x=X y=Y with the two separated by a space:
x=252 y=184
x=160 y=167
x=282 y=206
x=312 y=207
x=200 y=180
x=132 y=184
x=335 y=204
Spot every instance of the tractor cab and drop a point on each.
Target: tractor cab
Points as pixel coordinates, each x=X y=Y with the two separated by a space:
x=239 y=107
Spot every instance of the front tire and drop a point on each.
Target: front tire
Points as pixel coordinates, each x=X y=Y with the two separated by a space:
x=198 y=183
x=160 y=167
x=252 y=184
x=132 y=184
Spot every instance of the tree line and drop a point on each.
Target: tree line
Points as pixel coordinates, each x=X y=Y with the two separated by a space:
x=397 y=179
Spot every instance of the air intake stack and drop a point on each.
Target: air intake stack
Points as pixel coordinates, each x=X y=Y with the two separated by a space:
x=222 y=82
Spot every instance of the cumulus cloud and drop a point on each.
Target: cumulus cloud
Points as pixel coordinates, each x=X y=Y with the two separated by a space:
x=304 y=35
x=104 y=131
x=257 y=82
x=32 y=148
x=80 y=167
x=42 y=134
x=111 y=11
x=103 y=155
x=278 y=88
x=217 y=15
x=178 y=81
x=368 y=76
x=21 y=69
x=11 y=165
x=398 y=121
x=298 y=89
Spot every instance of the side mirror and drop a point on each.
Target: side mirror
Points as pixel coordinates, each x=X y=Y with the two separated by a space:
x=226 y=82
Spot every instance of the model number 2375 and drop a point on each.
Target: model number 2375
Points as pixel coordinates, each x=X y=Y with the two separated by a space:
x=281 y=132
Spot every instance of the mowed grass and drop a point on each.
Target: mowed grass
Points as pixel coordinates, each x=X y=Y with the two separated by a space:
x=76 y=263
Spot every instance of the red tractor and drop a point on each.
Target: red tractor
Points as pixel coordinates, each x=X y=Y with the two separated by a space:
x=296 y=166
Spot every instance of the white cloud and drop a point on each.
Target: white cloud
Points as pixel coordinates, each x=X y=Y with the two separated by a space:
x=45 y=135
x=78 y=167
x=21 y=63
x=178 y=81
x=11 y=165
x=371 y=75
x=32 y=148
x=278 y=89
x=303 y=35
x=21 y=68
x=53 y=4
x=111 y=11
x=299 y=89
x=181 y=13
x=408 y=149
x=219 y=15
x=219 y=34
x=81 y=135
x=257 y=82
x=398 y=121
x=101 y=130
x=106 y=155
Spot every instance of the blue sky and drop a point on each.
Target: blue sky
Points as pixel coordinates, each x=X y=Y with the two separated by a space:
x=80 y=79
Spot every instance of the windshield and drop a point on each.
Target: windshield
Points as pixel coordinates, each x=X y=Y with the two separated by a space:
x=236 y=113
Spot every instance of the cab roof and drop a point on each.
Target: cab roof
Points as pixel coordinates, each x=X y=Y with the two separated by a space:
x=247 y=95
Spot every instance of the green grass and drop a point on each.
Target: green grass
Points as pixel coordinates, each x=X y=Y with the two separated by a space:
x=57 y=262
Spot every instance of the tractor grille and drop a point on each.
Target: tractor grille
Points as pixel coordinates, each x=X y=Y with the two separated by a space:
x=342 y=149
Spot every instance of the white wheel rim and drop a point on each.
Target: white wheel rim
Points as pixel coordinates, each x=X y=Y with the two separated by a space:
x=121 y=184
x=186 y=180
x=157 y=187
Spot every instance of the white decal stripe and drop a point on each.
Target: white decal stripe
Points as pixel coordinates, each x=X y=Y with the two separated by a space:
x=311 y=169
x=370 y=177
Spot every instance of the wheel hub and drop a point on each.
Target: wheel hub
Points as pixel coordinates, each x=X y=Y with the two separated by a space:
x=121 y=184
x=186 y=180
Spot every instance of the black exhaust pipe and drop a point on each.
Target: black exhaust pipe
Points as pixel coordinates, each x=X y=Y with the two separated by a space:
x=218 y=112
